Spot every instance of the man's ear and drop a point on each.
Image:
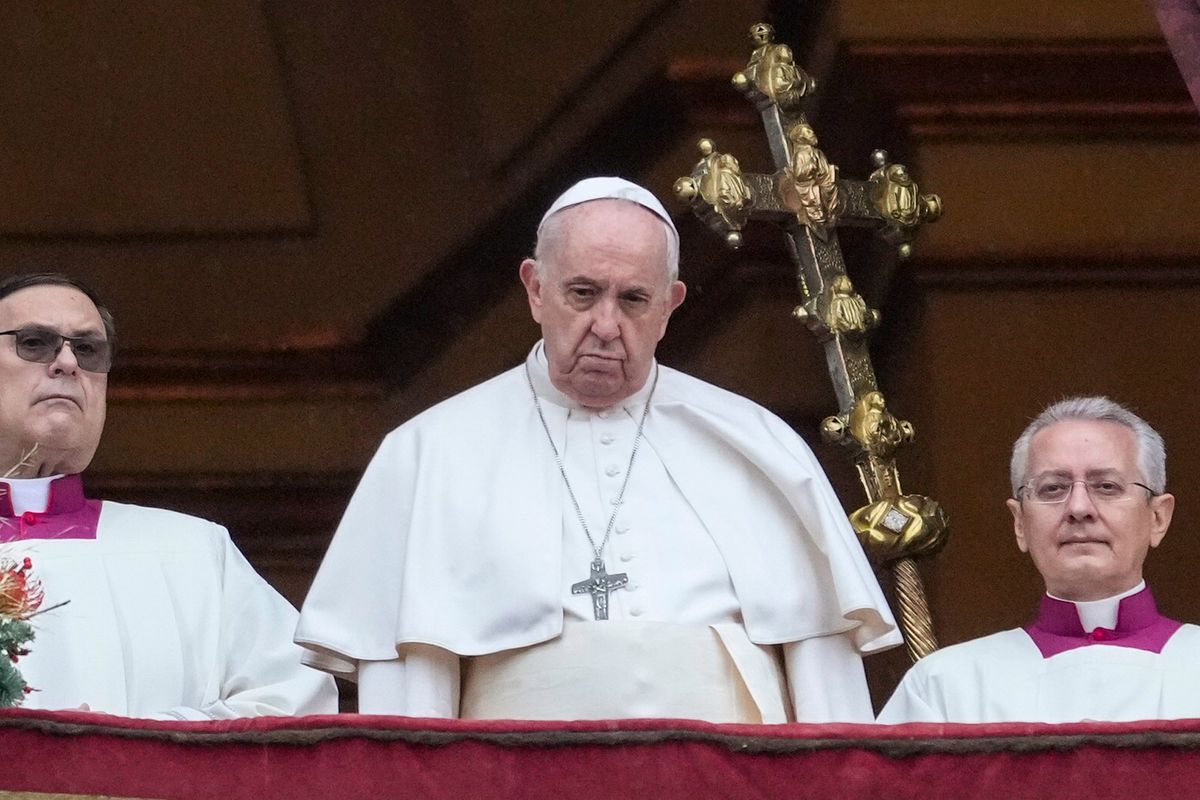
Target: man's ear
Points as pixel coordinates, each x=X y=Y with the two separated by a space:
x=1161 y=509
x=675 y=294
x=678 y=292
x=1014 y=506
x=533 y=287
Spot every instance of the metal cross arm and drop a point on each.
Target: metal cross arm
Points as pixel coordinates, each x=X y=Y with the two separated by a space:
x=809 y=200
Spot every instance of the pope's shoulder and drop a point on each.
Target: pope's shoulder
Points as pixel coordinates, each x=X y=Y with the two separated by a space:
x=705 y=404
x=679 y=386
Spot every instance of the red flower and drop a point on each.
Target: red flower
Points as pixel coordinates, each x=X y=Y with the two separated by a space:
x=20 y=593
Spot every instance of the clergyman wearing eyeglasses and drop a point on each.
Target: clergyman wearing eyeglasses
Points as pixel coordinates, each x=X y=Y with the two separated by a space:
x=1089 y=502
x=150 y=613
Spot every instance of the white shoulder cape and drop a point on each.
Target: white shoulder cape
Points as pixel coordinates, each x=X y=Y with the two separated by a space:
x=454 y=535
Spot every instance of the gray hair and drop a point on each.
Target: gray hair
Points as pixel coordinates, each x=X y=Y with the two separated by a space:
x=1151 y=453
x=551 y=233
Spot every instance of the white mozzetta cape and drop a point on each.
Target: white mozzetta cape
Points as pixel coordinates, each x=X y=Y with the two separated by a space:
x=165 y=618
x=454 y=535
x=1005 y=678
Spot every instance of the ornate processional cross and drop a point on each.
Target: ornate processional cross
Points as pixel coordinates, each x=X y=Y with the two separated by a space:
x=808 y=199
x=599 y=586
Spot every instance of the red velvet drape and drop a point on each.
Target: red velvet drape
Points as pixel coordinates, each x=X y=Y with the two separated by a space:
x=352 y=756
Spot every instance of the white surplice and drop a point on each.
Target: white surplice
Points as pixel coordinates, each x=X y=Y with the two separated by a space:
x=462 y=536
x=1005 y=678
x=1075 y=675
x=164 y=618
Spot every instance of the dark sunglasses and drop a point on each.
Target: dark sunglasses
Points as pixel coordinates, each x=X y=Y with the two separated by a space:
x=42 y=346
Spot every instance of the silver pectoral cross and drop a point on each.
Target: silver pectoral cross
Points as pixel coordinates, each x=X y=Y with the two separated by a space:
x=599 y=586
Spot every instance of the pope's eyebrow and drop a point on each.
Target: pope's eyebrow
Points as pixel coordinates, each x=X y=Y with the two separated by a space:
x=578 y=280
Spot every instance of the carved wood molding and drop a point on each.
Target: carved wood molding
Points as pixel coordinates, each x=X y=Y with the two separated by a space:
x=974 y=90
x=233 y=375
x=1042 y=271
x=1093 y=89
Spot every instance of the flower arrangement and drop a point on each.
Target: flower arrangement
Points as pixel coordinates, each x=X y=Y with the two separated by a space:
x=20 y=598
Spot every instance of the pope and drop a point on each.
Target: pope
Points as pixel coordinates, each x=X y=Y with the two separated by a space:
x=592 y=534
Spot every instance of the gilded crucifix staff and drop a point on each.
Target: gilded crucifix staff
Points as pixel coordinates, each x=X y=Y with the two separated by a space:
x=808 y=199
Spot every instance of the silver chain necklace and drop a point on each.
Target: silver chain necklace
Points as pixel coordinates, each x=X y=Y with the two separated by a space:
x=600 y=583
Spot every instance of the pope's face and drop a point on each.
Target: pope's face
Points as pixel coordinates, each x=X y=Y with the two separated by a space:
x=1086 y=548
x=57 y=406
x=603 y=299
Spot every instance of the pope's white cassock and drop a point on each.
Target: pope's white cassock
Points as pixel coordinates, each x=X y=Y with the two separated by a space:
x=1113 y=660
x=164 y=617
x=462 y=540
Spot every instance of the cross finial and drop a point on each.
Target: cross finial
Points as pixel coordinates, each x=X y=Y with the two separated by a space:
x=810 y=200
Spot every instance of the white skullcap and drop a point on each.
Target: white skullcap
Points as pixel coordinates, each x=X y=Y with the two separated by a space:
x=590 y=189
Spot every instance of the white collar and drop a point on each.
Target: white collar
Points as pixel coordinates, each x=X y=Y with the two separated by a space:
x=29 y=494
x=1100 y=613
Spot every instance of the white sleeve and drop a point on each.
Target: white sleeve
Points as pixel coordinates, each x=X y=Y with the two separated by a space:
x=826 y=680
x=422 y=682
x=258 y=665
x=908 y=703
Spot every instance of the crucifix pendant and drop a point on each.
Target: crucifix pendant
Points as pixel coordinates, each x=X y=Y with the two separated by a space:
x=599 y=586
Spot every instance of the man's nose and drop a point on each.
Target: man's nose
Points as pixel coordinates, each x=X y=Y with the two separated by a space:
x=1080 y=505
x=606 y=322
x=64 y=362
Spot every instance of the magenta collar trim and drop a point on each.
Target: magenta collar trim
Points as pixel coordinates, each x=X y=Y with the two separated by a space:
x=1139 y=625
x=70 y=515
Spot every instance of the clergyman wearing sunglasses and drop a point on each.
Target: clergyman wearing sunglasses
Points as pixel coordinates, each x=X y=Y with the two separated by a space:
x=151 y=613
x=42 y=346
x=1089 y=502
